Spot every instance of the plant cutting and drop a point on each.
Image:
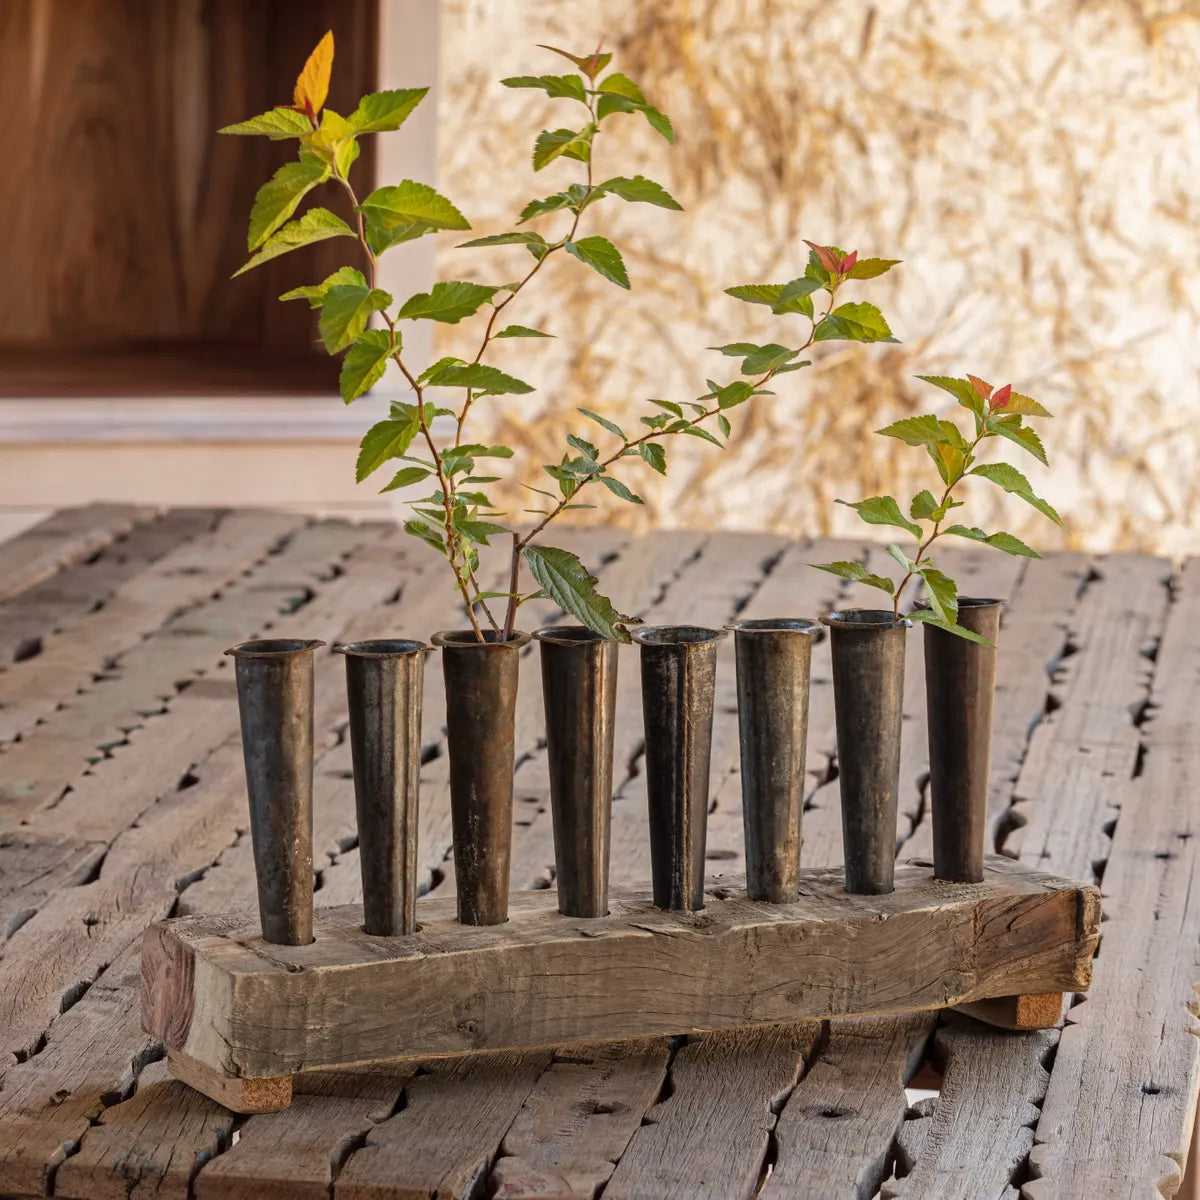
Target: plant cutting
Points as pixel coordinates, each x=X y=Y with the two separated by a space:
x=960 y=637
x=428 y=439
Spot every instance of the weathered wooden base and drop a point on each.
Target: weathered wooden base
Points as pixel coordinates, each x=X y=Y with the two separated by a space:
x=240 y=1016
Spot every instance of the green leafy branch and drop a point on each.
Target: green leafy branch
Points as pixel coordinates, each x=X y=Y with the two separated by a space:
x=997 y=413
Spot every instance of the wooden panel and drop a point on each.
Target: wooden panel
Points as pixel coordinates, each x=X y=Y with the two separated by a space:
x=216 y=992
x=131 y=212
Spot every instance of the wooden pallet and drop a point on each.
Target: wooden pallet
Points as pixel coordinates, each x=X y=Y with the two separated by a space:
x=240 y=1016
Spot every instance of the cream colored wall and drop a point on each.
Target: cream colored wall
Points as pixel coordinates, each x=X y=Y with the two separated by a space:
x=1036 y=163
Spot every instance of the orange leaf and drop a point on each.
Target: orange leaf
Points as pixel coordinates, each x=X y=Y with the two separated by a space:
x=1000 y=398
x=984 y=389
x=312 y=86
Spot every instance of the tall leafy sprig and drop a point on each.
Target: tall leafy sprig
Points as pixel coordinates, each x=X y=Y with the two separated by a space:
x=997 y=412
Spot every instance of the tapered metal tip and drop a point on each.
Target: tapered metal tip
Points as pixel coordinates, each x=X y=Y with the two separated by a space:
x=272 y=648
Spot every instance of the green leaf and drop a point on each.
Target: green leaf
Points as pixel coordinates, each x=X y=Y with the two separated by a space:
x=478 y=375
x=1007 y=542
x=961 y=390
x=426 y=533
x=604 y=423
x=278 y=124
x=521 y=331
x=928 y=617
x=278 y=199
x=906 y=563
x=732 y=394
x=619 y=490
x=380 y=239
x=345 y=155
x=478 y=450
x=924 y=507
x=942 y=592
x=569 y=87
x=574 y=195
x=526 y=238
x=703 y=434
x=949 y=461
x=449 y=302
x=344 y=315
x=796 y=296
x=408 y=202
x=569 y=584
x=796 y=366
x=667 y=406
x=640 y=190
x=1011 y=427
x=756 y=293
x=365 y=363
x=723 y=424
x=1011 y=480
x=478 y=531
x=387 y=439
x=383 y=112
x=315 y=226
x=600 y=254
x=584 y=447
x=767 y=358
x=315 y=294
x=406 y=477
x=883 y=510
x=926 y=430
x=1025 y=404
x=858 y=573
x=870 y=268
x=857 y=322
x=659 y=122
x=618 y=84
x=737 y=349
x=654 y=455
x=556 y=143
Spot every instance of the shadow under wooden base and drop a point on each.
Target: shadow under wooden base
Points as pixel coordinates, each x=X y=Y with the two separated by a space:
x=263 y=1095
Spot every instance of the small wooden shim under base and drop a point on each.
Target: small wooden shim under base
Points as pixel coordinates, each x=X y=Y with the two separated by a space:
x=241 y=1016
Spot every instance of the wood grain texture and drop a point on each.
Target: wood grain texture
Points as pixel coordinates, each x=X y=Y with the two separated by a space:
x=255 y=1009
x=237 y=1095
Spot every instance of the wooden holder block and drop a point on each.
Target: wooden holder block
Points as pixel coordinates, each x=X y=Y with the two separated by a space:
x=232 y=1007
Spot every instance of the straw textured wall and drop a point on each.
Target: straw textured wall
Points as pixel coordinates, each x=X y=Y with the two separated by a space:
x=1034 y=163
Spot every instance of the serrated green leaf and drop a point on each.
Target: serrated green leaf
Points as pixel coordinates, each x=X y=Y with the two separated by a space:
x=619 y=490
x=386 y=439
x=667 y=406
x=478 y=375
x=723 y=424
x=345 y=312
x=737 y=349
x=731 y=394
x=1005 y=476
x=1007 y=542
x=569 y=584
x=604 y=422
x=942 y=592
x=882 y=510
x=573 y=195
x=381 y=239
x=602 y=256
x=767 y=358
x=406 y=477
x=478 y=531
x=316 y=225
x=659 y=122
x=558 y=87
x=870 y=268
x=449 y=302
x=948 y=459
x=796 y=297
x=1011 y=427
x=858 y=574
x=905 y=562
x=756 y=293
x=703 y=435
x=526 y=237
x=426 y=533
x=961 y=390
x=557 y=143
x=383 y=112
x=858 y=322
x=928 y=617
x=365 y=363
x=640 y=190
x=925 y=430
x=315 y=293
x=654 y=456
x=404 y=203
x=277 y=124
x=521 y=331
x=618 y=84
x=925 y=507
x=1026 y=405
x=279 y=197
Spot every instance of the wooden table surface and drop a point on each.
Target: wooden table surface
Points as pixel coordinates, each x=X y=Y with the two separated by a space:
x=122 y=801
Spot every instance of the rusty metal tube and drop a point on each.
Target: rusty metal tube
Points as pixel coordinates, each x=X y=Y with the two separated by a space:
x=773 y=662
x=867 y=649
x=481 y=704
x=960 y=683
x=275 y=700
x=383 y=687
x=579 y=689
x=679 y=667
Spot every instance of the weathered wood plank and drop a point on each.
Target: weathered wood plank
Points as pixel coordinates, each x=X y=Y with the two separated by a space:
x=423 y=1151
x=709 y=1136
x=220 y=995
x=577 y=1121
x=61 y=539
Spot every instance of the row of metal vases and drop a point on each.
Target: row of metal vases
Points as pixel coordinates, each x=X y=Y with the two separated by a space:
x=384 y=681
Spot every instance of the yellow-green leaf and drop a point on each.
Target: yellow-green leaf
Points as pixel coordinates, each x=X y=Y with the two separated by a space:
x=316 y=225
x=312 y=84
x=278 y=198
x=365 y=362
x=277 y=124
